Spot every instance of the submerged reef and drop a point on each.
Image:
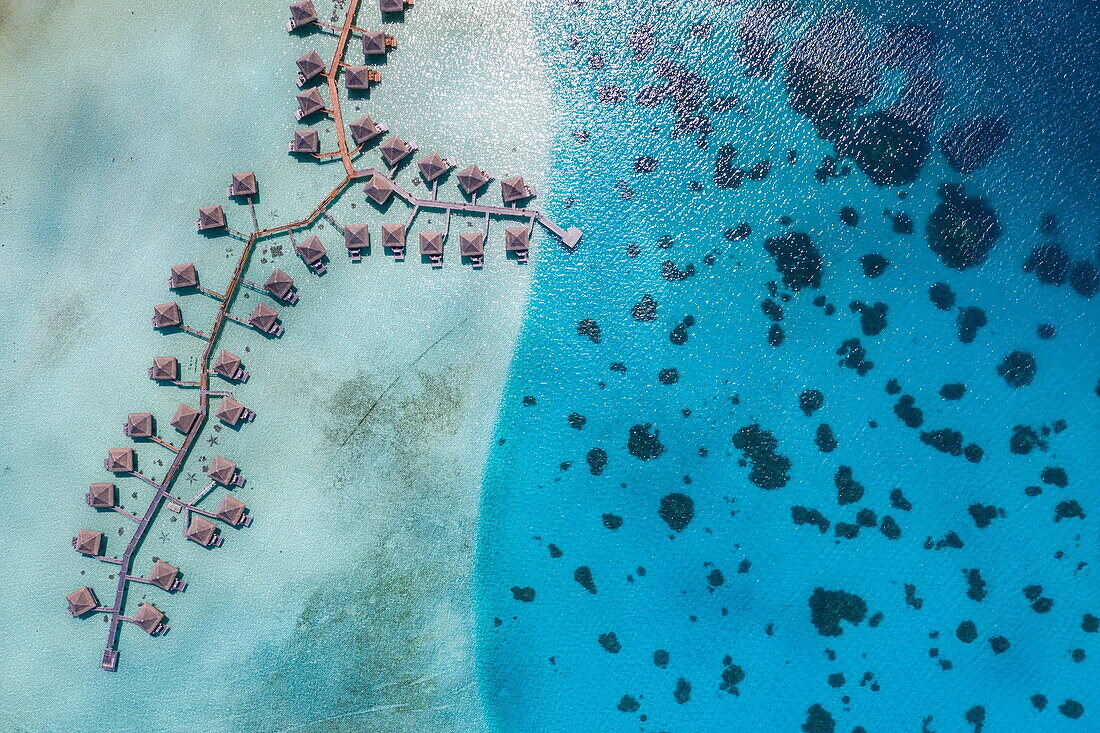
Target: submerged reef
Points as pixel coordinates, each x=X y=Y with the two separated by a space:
x=970 y=144
x=962 y=229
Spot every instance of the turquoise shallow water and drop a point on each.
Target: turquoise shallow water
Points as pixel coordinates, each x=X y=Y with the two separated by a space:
x=597 y=612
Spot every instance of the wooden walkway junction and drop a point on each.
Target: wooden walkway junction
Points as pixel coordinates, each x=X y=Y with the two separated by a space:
x=191 y=420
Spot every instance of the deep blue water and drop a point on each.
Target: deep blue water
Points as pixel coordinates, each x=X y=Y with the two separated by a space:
x=967 y=600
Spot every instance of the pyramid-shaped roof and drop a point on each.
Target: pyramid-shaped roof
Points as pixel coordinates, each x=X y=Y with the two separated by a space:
x=391 y=6
x=230 y=411
x=310 y=249
x=431 y=243
x=101 y=495
x=147 y=617
x=303 y=12
x=167 y=315
x=263 y=316
x=243 y=184
x=184 y=276
x=471 y=244
x=310 y=101
x=211 y=217
x=226 y=364
x=311 y=65
x=394 y=150
x=222 y=470
x=230 y=509
x=393 y=235
x=513 y=189
x=357 y=77
x=432 y=166
x=165 y=367
x=139 y=424
x=81 y=601
x=163 y=575
x=356 y=235
x=516 y=238
x=120 y=460
x=278 y=283
x=88 y=541
x=471 y=178
x=379 y=188
x=363 y=129
x=305 y=141
x=201 y=530
x=374 y=43
x=185 y=418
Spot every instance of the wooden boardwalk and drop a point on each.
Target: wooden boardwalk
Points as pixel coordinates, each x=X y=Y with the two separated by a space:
x=162 y=489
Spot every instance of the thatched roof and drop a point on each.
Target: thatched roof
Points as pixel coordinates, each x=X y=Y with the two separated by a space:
x=279 y=283
x=230 y=411
x=167 y=315
x=393 y=235
x=431 y=243
x=356 y=236
x=163 y=575
x=185 y=418
x=226 y=364
x=305 y=141
x=379 y=188
x=364 y=129
x=374 y=43
x=471 y=244
x=357 y=77
x=165 y=367
x=310 y=249
x=302 y=13
x=81 y=601
x=201 y=530
x=394 y=150
x=513 y=189
x=311 y=65
x=147 y=617
x=516 y=238
x=211 y=217
x=310 y=101
x=263 y=317
x=471 y=178
x=139 y=424
x=432 y=166
x=243 y=184
x=101 y=495
x=230 y=509
x=391 y=6
x=221 y=470
x=88 y=541
x=184 y=276
x=120 y=460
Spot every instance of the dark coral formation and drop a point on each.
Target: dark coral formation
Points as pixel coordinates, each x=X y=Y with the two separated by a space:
x=644 y=445
x=758 y=446
x=970 y=144
x=962 y=229
x=829 y=607
x=810 y=401
x=677 y=510
x=969 y=320
x=797 y=260
x=1017 y=369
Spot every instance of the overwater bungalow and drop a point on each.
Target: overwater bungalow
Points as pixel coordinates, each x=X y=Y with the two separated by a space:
x=431 y=246
x=185 y=418
x=230 y=411
x=139 y=425
x=517 y=239
x=379 y=189
x=210 y=217
x=231 y=511
x=356 y=239
x=203 y=531
x=149 y=619
x=119 y=460
x=309 y=103
x=281 y=286
x=472 y=245
x=228 y=365
x=360 y=77
x=166 y=576
x=81 y=601
x=471 y=178
x=88 y=542
x=101 y=495
x=377 y=43
x=433 y=165
x=165 y=369
x=224 y=471
x=393 y=238
x=312 y=253
x=167 y=315
x=301 y=14
x=265 y=318
x=514 y=189
x=183 y=276
x=394 y=150
x=364 y=128
x=242 y=184
x=393 y=6
x=305 y=142
x=309 y=66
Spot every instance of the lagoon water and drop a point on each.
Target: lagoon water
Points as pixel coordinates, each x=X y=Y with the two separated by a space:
x=426 y=492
